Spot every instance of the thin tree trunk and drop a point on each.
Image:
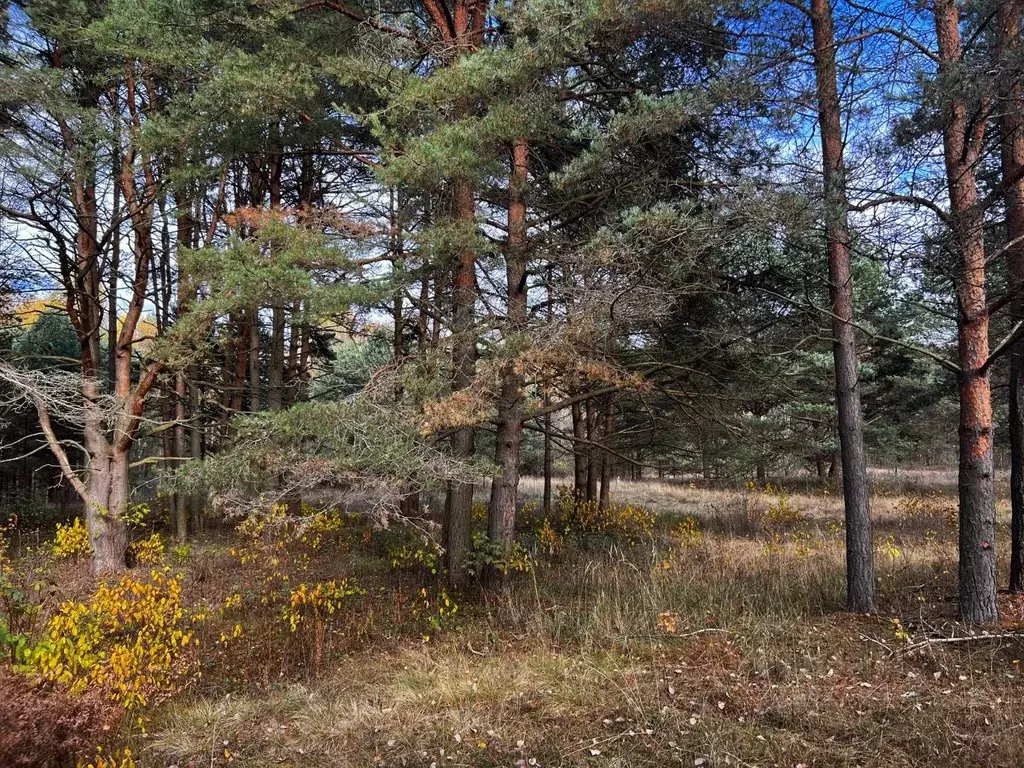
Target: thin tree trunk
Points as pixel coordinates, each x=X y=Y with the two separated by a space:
x=548 y=452
x=501 y=515
x=962 y=135
x=860 y=567
x=294 y=350
x=275 y=373
x=179 y=501
x=593 y=470
x=302 y=383
x=254 y=360
x=1011 y=132
x=604 y=500
x=241 y=363
x=196 y=501
x=579 y=459
x=275 y=376
x=113 y=278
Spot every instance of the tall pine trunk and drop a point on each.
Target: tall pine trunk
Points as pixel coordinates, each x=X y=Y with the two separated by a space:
x=501 y=514
x=962 y=136
x=1011 y=134
x=459 y=501
x=179 y=501
x=860 y=567
x=548 y=448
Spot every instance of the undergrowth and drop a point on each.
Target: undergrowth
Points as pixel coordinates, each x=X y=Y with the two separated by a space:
x=706 y=631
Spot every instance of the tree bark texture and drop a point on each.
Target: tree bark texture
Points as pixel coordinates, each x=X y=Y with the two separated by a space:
x=860 y=568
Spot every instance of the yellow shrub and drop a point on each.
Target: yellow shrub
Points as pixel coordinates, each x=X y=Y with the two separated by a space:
x=309 y=609
x=577 y=515
x=426 y=556
x=688 y=533
x=889 y=548
x=117 y=759
x=149 y=551
x=479 y=512
x=780 y=511
x=321 y=526
x=438 y=611
x=130 y=640
x=72 y=540
x=528 y=516
x=139 y=515
x=668 y=621
x=314 y=604
x=549 y=540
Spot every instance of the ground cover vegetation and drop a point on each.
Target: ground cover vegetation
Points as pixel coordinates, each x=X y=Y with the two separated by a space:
x=540 y=383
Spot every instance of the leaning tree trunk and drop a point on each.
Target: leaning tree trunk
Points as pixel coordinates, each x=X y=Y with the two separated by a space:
x=501 y=514
x=963 y=136
x=860 y=567
x=1011 y=133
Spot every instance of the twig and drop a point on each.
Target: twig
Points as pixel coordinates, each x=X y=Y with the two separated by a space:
x=469 y=645
x=964 y=639
x=878 y=642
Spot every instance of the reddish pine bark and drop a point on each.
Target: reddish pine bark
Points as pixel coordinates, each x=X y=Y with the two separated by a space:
x=962 y=136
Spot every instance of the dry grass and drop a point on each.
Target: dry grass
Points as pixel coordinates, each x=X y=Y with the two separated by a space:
x=728 y=648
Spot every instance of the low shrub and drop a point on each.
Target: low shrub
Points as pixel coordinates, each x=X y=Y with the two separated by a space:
x=72 y=540
x=130 y=640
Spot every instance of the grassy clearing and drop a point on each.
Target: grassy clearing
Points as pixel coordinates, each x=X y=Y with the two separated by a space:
x=716 y=642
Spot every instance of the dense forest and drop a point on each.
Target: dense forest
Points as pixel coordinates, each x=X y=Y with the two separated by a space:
x=335 y=334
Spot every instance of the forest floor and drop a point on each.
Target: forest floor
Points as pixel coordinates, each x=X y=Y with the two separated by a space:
x=714 y=638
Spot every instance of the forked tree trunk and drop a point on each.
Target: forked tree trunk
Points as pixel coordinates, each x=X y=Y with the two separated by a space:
x=1011 y=134
x=105 y=508
x=962 y=135
x=105 y=497
x=501 y=514
x=860 y=568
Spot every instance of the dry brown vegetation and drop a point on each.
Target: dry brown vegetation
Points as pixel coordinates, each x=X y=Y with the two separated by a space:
x=717 y=640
